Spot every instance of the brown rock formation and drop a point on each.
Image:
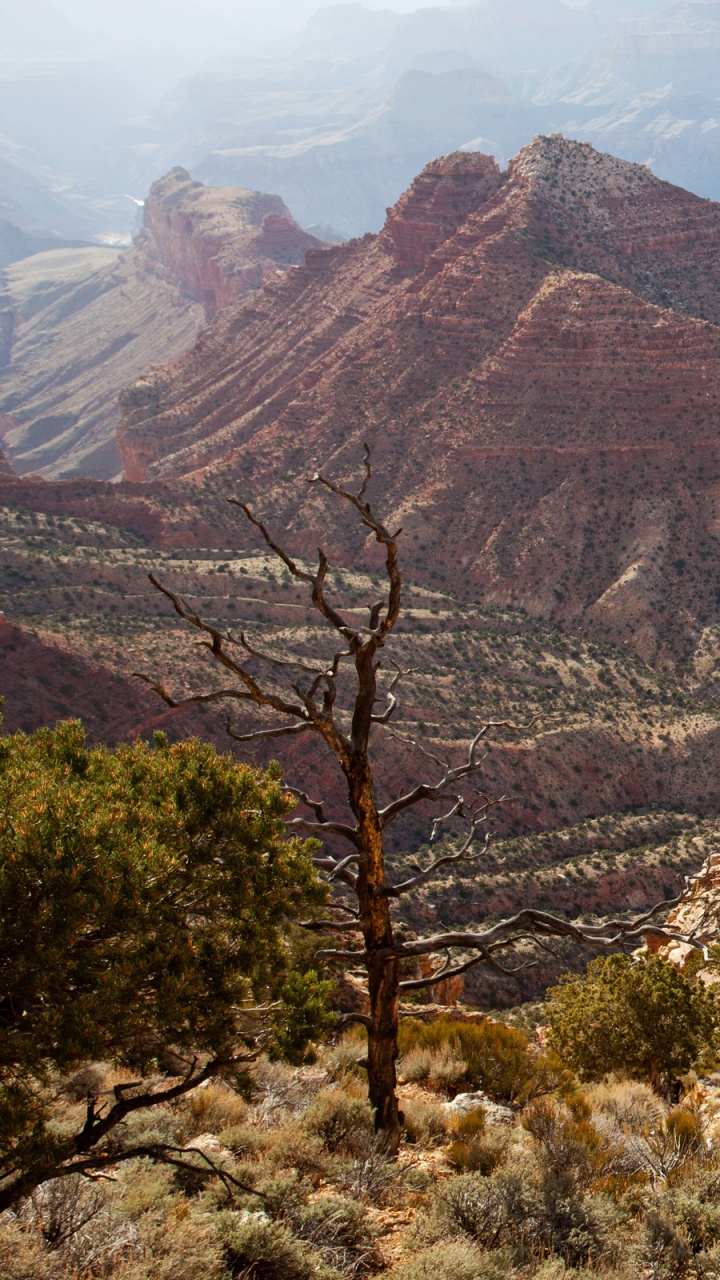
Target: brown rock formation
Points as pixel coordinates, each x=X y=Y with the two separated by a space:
x=217 y=244
x=536 y=358
x=77 y=325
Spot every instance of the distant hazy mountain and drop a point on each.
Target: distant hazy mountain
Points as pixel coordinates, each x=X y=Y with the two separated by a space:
x=30 y=28
x=337 y=117
x=651 y=94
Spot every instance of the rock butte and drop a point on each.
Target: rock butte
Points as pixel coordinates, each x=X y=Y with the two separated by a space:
x=535 y=357
x=75 y=327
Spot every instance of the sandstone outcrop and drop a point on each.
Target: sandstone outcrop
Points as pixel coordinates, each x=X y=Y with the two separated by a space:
x=217 y=244
x=77 y=325
x=698 y=915
x=535 y=357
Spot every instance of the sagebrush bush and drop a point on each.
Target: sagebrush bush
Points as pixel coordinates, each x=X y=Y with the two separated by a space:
x=451 y=1260
x=567 y=1141
x=443 y=1069
x=22 y=1256
x=339 y=1120
x=471 y=1151
x=340 y=1060
x=267 y=1251
x=212 y=1108
x=498 y=1059
x=530 y=1214
x=297 y=1147
x=246 y=1141
x=424 y=1122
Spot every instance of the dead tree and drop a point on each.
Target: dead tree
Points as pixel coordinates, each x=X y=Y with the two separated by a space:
x=308 y=702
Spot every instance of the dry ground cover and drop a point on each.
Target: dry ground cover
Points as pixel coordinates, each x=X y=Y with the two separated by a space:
x=548 y=1181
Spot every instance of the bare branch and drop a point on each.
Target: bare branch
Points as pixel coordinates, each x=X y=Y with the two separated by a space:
x=611 y=933
x=315 y=581
x=485 y=957
x=439 y=791
x=317 y=806
x=260 y=735
x=368 y=472
x=382 y=627
x=252 y=691
x=450 y=859
x=331 y=926
x=284 y=664
x=163 y=1154
x=321 y=829
x=348 y=1019
x=391 y=708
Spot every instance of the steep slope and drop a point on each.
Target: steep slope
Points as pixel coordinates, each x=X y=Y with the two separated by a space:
x=536 y=358
x=614 y=798
x=82 y=324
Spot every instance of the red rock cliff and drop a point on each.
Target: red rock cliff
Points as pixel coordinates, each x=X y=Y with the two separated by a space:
x=218 y=243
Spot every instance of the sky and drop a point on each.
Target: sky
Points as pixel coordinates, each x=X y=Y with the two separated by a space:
x=208 y=19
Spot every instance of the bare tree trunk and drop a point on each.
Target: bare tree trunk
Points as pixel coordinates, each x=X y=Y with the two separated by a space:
x=383 y=974
x=383 y=980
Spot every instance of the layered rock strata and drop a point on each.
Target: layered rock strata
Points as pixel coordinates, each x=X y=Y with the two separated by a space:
x=535 y=357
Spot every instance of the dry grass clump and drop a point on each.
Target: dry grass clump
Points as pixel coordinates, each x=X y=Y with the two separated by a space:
x=425 y=1122
x=443 y=1069
x=476 y=1148
x=456 y=1259
x=341 y=1119
x=213 y=1108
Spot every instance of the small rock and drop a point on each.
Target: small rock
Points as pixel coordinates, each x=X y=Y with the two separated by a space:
x=464 y=1103
x=208 y=1143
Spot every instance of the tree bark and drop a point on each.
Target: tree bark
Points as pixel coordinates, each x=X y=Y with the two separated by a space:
x=383 y=974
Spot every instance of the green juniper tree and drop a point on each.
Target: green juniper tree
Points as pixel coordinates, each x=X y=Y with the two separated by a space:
x=638 y=1016
x=145 y=896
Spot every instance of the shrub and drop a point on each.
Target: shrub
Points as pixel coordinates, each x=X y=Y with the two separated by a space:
x=474 y=1150
x=568 y=1143
x=640 y=1017
x=339 y=1229
x=22 y=1256
x=245 y=1141
x=451 y=1260
x=211 y=1108
x=374 y=1174
x=341 y=1060
x=631 y=1106
x=260 y=1250
x=342 y=1122
x=424 y=1122
x=498 y=1059
x=296 y=1148
x=531 y=1216
x=442 y=1068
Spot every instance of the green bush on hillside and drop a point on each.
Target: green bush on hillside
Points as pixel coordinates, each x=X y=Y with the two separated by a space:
x=637 y=1016
x=498 y=1059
